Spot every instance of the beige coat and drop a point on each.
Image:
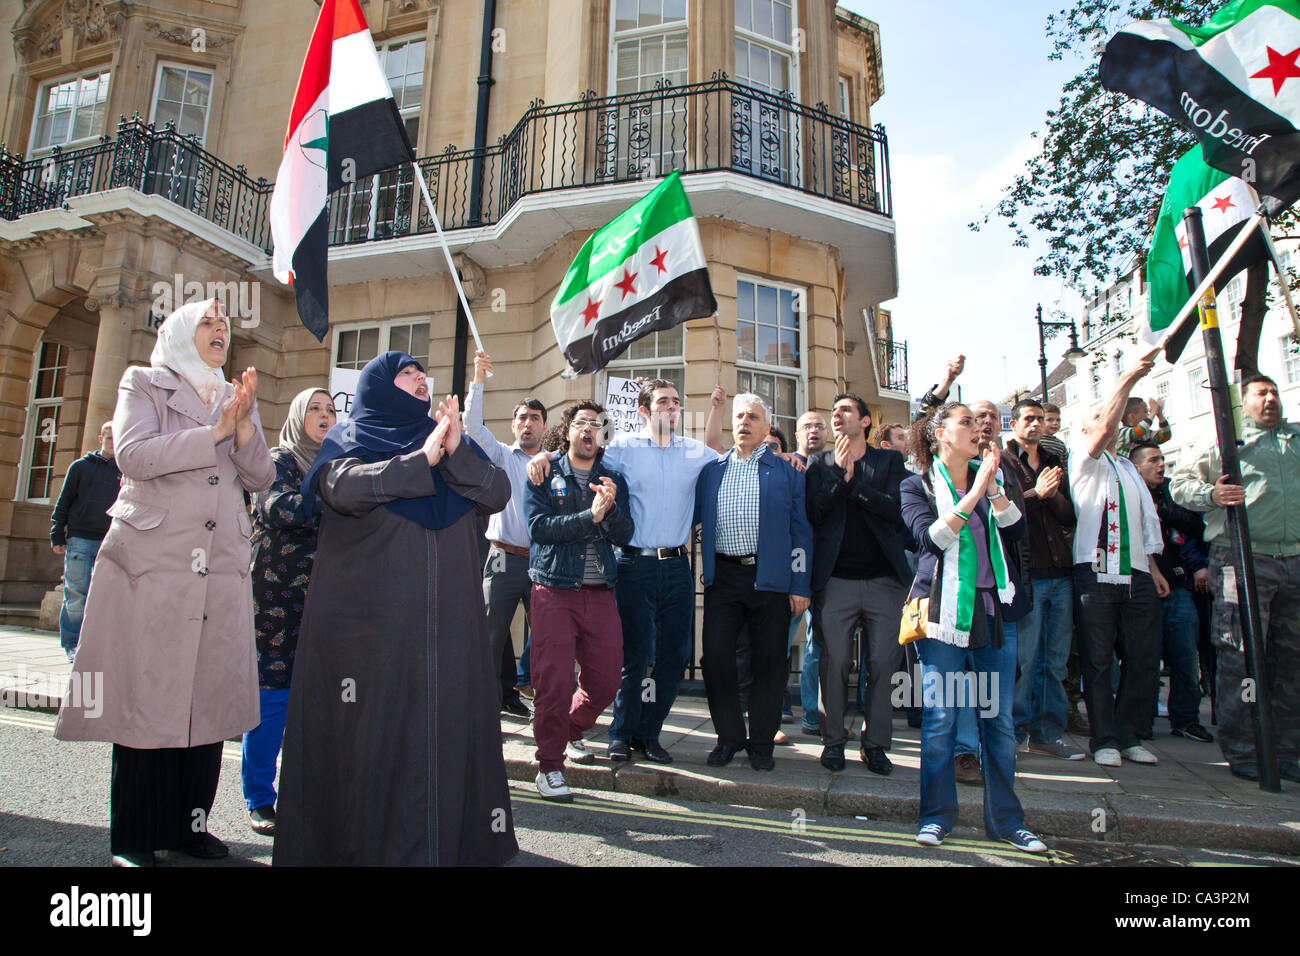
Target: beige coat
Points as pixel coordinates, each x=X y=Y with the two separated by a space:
x=166 y=656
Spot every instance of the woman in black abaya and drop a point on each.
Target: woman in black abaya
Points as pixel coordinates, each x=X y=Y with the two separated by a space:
x=392 y=748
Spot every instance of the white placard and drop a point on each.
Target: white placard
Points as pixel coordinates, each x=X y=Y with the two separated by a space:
x=343 y=390
x=620 y=406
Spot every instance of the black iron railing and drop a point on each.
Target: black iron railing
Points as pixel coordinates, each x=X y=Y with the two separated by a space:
x=703 y=127
x=891 y=364
x=151 y=161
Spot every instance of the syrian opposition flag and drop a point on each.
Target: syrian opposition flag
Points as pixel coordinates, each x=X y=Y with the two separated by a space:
x=344 y=126
x=643 y=272
x=1225 y=205
x=1234 y=84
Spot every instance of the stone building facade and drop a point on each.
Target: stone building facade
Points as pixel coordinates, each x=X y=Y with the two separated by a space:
x=142 y=141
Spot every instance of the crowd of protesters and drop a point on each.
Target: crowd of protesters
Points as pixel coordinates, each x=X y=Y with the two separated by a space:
x=401 y=544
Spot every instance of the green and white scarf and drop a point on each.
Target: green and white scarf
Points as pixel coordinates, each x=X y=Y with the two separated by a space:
x=957 y=593
x=1113 y=562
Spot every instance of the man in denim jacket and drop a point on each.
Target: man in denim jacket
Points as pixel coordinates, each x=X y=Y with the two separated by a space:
x=574 y=519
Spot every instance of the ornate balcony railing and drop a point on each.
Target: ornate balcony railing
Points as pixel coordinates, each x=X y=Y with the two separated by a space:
x=891 y=364
x=155 y=162
x=703 y=127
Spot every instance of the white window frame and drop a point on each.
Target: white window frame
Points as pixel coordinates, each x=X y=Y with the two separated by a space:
x=32 y=425
x=157 y=90
x=846 y=99
x=385 y=328
x=1290 y=359
x=42 y=91
x=375 y=184
x=1198 y=399
x=667 y=107
x=794 y=170
x=800 y=373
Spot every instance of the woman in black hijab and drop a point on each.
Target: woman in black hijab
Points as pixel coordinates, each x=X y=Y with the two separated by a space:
x=392 y=748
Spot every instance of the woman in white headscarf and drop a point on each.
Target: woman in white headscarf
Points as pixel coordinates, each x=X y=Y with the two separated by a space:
x=166 y=668
x=284 y=548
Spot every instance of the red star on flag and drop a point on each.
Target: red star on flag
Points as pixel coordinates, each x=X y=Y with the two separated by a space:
x=1113 y=506
x=591 y=311
x=1281 y=67
x=1182 y=242
x=1111 y=549
x=626 y=284
x=658 y=260
x=1114 y=527
x=1223 y=203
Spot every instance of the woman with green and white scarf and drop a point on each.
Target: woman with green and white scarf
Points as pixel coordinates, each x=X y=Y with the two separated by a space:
x=962 y=521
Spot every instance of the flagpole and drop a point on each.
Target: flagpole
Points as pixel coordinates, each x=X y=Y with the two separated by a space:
x=1241 y=239
x=1243 y=558
x=442 y=239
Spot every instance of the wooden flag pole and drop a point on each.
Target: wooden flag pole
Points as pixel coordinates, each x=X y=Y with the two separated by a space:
x=442 y=240
x=1205 y=284
x=1243 y=558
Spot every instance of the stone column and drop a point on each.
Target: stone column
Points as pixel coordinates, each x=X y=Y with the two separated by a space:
x=112 y=353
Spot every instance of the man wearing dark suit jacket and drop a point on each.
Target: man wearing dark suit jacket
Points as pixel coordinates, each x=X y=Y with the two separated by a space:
x=860 y=571
x=755 y=543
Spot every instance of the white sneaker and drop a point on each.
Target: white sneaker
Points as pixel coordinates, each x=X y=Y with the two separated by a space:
x=1107 y=757
x=1140 y=754
x=577 y=752
x=552 y=787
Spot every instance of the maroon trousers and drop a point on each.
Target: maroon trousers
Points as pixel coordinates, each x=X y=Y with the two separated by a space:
x=569 y=626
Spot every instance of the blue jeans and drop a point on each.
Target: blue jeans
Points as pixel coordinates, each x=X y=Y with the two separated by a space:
x=808 y=676
x=1043 y=643
x=656 y=603
x=1003 y=814
x=261 y=747
x=968 y=733
x=1181 y=630
x=523 y=670
x=78 y=562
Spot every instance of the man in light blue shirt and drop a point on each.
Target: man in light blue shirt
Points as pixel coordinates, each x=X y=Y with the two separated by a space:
x=655 y=591
x=505 y=573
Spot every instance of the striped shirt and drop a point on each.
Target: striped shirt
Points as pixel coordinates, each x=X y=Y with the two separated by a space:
x=737 y=528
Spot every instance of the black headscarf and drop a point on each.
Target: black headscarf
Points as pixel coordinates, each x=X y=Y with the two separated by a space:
x=386 y=422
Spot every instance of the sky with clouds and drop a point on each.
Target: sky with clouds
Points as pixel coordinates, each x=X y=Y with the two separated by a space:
x=966 y=84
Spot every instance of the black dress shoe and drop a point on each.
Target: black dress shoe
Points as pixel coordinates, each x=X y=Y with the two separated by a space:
x=619 y=750
x=1247 y=770
x=761 y=759
x=133 y=859
x=833 y=757
x=514 y=705
x=653 y=752
x=262 y=820
x=721 y=755
x=206 y=847
x=876 y=761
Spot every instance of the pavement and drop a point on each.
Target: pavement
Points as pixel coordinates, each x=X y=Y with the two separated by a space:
x=1188 y=800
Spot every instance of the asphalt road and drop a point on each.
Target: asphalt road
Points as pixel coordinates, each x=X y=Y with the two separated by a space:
x=54 y=812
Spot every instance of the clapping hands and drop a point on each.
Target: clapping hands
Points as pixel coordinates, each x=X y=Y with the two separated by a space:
x=445 y=437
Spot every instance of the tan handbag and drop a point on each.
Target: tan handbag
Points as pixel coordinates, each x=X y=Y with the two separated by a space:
x=916 y=612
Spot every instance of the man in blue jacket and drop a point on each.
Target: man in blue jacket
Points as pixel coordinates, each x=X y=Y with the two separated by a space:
x=756 y=546
x=574 y=520
x=78 y=526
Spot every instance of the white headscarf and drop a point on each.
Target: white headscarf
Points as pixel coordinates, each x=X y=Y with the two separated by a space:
x=293 y=435
x=175 y=350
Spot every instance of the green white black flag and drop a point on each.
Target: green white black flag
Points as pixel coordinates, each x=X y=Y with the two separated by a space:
x=1233 y=83
x=1225 y=204
x=643 y=272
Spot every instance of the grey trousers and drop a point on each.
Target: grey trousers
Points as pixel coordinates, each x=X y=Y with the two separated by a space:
x=1278 y=582
x=838 y=607
x=505 y=584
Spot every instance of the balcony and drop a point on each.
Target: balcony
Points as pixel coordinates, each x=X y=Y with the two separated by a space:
x=749 y=155
x=891 y=365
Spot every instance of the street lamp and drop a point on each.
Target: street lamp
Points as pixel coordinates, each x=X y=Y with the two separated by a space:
x=1048 y=330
